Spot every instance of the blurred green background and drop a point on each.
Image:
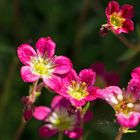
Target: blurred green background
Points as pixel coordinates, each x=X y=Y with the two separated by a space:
x=74 y=25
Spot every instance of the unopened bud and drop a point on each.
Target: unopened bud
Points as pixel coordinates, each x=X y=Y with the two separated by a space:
x=103 y=31
x=72 y=110
x=28 y=112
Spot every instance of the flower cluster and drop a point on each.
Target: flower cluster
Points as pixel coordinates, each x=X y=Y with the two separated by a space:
x=69 y=109
x=59 y=119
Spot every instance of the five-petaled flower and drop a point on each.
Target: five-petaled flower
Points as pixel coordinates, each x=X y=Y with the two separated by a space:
x=58 y=119
x=79 y=88
x=119 y=18
x=43 y=64
x=126 y=103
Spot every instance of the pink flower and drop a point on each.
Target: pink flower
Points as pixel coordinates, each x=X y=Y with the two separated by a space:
x=125 y=102
x=119 y=18
x=42 y=63
x=103 y=77
x=58 y=119
x=79 y=88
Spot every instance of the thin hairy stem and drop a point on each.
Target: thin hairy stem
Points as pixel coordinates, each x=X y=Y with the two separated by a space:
x=124 y=40
x=23 y=122
x=120 y=133
x=32 y=93
x=60 y=136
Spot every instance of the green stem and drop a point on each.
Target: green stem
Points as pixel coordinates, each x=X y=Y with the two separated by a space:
x=124 y=40
x=32 y=93
x=23 y=122
x=60 y=136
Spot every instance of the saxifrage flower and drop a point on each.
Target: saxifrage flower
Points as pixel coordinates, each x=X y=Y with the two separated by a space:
x=42 y=63
x=58 y=119
x=79 y=89
x=119 y=18
x=126 y=103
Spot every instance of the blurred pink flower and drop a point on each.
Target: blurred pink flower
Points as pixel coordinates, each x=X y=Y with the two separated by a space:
x=119 y=18
x=126 y=103
x=103 y=77
x=42 y=63
x=79 y=89
x=58 y=119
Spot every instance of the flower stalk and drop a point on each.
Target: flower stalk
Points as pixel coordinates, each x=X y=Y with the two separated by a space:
x=120 y=133
x=60 y=136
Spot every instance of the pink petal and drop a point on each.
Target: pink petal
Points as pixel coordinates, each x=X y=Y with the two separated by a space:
x=63 y=91
x=87 y=76
x=110 y=94
x=46 y=46
x=25 y=53
x=75 y=134
x=71 y=76
x=63 y=64
x=117 y=31
x=77 y=103
x=88 y=116
x=47 y=131
x=128 y=26
x=27 y=75
x=66 y=82
x=136 y=73
x=130 y=120
x=127 y=11
x=54 y=82
x=59 y=101
x=41 y=112
x=113 y=6
x=92 y=94
x=133 y=90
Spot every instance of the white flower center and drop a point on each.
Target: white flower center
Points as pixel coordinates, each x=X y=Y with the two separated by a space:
x=42 y=67
x=62 y=120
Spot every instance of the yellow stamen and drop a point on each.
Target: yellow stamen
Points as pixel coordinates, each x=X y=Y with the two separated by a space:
x=116 y=20
x=78 y=90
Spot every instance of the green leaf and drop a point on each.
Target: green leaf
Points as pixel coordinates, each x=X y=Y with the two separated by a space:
x=130 y=131
x=86 y=107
